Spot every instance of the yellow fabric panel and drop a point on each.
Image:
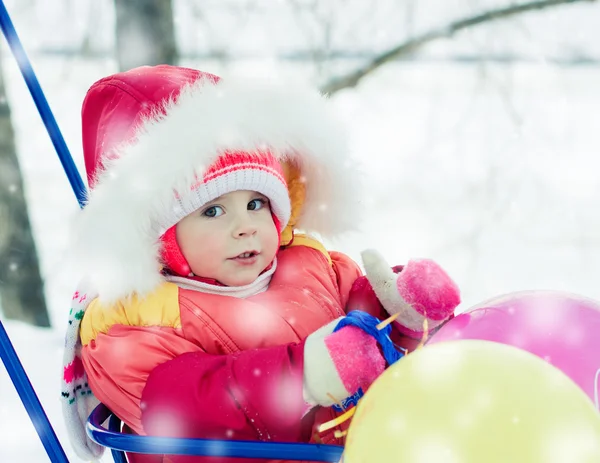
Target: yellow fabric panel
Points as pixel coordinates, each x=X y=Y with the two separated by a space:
x=161 y=308
x=305 y=240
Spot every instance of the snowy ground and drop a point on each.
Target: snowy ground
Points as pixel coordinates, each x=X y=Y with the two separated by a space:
x=491 y=171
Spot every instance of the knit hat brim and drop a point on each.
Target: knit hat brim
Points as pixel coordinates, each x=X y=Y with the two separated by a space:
x=240 y=173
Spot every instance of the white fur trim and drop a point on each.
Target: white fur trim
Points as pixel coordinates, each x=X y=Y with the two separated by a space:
x=320 y=374
x=115 y=242
x=384 y=282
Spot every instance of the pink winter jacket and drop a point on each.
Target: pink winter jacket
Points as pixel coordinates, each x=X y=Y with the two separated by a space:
x=183 y=363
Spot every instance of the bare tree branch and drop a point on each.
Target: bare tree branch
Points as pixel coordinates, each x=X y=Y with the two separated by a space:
x=352 y=79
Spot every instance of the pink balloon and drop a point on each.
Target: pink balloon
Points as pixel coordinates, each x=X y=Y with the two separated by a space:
x=561 y=328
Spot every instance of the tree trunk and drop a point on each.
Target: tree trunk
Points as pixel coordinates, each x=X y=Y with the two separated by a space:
x=21 y=287
x=145 y=33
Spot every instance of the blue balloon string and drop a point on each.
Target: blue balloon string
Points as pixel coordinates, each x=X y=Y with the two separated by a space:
x=368 y=323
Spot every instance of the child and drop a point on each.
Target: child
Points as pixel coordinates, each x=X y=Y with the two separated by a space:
x=203 y=312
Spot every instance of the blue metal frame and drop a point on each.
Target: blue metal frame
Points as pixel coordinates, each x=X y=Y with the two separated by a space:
x=113 y=439
x=114 y=425
x=30 y=400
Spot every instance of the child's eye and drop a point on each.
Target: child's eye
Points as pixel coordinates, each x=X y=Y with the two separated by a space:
x=213 y=211
x=256 y=204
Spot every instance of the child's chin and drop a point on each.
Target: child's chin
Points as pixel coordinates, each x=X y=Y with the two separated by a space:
x=240 y=280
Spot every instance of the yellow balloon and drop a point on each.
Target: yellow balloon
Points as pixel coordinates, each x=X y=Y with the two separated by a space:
x=473 y=401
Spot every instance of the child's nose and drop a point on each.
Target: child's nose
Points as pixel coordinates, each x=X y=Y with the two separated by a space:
x=245 y=227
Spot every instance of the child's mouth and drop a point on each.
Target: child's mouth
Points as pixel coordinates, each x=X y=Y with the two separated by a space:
x=246 y=258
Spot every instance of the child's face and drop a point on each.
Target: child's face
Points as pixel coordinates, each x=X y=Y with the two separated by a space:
x=216 y=239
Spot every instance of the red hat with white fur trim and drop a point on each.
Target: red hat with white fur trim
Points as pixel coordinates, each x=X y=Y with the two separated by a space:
x=160 y=142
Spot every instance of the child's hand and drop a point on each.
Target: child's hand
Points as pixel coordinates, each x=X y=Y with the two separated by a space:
x=337 y=365
x=421 y=292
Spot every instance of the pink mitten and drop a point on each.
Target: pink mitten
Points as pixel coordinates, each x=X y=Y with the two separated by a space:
x=421 y=290
x=337 y=364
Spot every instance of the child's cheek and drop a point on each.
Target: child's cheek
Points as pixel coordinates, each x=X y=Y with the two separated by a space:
x=213 y=244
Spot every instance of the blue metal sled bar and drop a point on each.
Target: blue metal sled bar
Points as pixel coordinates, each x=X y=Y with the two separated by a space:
x=30 y=401
x=205 y=447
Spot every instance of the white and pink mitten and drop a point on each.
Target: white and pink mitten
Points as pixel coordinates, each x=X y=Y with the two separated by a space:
x=337 y=365
x=421 y=292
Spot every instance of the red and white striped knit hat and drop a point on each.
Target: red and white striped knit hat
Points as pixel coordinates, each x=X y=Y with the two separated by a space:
x=234 y=171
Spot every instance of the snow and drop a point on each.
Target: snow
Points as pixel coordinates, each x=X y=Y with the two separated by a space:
x=489 y=169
